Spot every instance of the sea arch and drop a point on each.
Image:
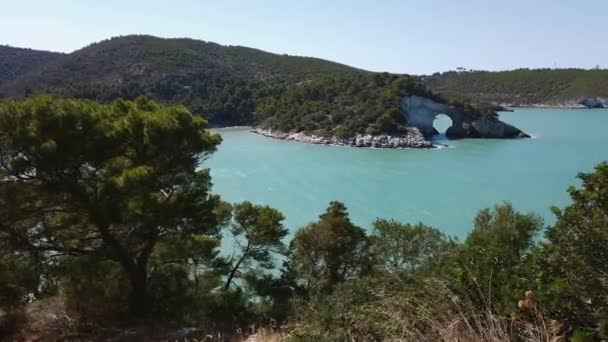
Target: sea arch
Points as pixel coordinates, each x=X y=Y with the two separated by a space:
x=420 y=112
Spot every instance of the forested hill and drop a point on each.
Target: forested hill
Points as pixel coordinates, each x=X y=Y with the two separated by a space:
x=15 y=62
x=341 y=106
x=230 y=85
x=234 y=85
x=219 y=82
x=523 y=86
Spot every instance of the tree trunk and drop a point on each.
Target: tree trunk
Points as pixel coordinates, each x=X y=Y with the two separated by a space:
x=233 y=272
x=141 y=303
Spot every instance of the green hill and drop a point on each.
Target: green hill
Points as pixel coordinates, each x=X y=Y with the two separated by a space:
x=235 y=85
x=364 y=103
x=15 y=62
x=229 y=85
x=522 y=86
x=219 y=82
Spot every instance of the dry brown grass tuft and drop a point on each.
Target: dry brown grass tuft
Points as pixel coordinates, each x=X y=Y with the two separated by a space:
x=265 y=335
x=453 y=321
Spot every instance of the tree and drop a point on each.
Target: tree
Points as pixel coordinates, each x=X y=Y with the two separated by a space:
x=329 y=251
x=20 y=278
x=405 y=248
x=489 y=260
x=258 y=232
x=573 y=263
x=115 y=181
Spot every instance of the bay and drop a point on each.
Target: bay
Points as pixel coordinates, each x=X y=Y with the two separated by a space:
x=443 y=188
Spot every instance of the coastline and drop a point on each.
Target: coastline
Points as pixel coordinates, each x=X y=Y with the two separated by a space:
x=547 y=106
x=544 y=106
x=413 y=139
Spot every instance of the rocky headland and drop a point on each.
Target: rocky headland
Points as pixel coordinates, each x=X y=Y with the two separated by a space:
x=419 y=112
x=586 y=103
x=595 y=102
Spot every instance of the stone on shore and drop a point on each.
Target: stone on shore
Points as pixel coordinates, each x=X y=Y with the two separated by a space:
x=412 y=139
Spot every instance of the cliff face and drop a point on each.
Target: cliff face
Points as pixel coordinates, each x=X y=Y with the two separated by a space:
x=420 y=112
x=595 y=103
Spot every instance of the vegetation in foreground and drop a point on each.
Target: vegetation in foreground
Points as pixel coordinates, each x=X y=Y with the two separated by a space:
x=107 y=223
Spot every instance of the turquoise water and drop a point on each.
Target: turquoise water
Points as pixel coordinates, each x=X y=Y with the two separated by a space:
x=443 y=188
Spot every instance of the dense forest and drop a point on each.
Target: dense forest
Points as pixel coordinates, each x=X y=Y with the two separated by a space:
x=523 y=86
x=234 y=85
x=218 y=82
x=15 y=62
x=351 y=103
x=229 y=85
x=109 y=230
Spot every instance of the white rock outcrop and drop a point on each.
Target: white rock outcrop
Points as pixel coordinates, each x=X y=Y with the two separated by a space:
x=413 y=139
x=420 y=112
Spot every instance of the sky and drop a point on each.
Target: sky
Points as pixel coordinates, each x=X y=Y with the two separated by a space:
x=406 y=36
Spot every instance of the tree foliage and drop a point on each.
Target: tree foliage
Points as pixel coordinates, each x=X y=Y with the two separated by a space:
x=488 y=265
x=258 y=233
x=405 y=249
x=105 y=207
x=329 y=251
x=116 y=181
x=573 y=267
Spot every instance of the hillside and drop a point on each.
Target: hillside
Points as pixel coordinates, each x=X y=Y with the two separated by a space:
x=558 y=87
x=219 y=82
x=15 y=62
x=234 y=85
x=353 y=103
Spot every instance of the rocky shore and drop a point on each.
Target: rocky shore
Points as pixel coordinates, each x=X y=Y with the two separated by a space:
x=593 y=102
x=413 y=139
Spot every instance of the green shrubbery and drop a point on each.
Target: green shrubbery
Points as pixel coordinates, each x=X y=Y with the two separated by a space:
x=104 y=212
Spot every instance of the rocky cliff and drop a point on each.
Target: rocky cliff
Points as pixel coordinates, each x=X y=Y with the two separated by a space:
x=595 y=102
x=420 y=112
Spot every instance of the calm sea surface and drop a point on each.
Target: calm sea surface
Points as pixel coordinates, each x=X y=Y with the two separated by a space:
x=443 y=188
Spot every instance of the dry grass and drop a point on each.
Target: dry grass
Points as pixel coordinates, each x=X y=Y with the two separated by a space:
x=401 y=320
x=265 y=335
x=452 y=320
x=45 y=320
x=487 y=327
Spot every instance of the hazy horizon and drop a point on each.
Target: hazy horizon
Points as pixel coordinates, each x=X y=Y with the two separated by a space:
x=398 y=36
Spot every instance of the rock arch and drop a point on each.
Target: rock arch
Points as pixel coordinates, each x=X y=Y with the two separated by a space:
x=420 y=112
x=442 y=122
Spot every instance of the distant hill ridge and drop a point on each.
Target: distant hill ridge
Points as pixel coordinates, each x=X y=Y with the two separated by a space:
x=523 y=87
x=16 y=62
x=235 y=85
x=214 y=80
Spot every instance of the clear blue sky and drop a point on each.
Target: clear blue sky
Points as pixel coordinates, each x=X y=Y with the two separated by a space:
x=406 y=36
